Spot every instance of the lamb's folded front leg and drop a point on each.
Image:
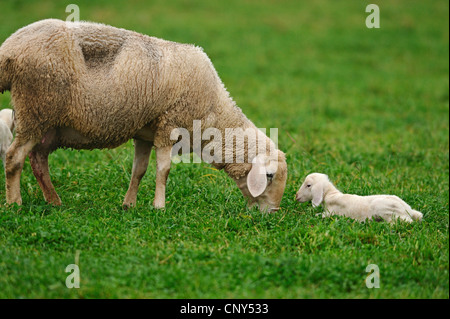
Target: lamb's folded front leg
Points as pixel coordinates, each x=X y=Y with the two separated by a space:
x=162 y=171
x=324 y=214
x=142 y=150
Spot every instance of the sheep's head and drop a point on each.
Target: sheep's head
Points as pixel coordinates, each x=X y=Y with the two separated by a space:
x=312 y=189
x=264 y=183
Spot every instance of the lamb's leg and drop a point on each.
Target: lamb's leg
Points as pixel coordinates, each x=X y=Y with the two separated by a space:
x=325 y=214
x=15 y=158
x=39 y=165
x=142 y=150
x=162 y=171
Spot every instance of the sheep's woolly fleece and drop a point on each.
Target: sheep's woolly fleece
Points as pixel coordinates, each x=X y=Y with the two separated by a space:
x=64 y=74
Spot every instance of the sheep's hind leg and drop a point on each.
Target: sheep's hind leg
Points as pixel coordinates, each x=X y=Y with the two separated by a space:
x=162 y=171
x=15 y=158
x=39 y=165
x=142 y=150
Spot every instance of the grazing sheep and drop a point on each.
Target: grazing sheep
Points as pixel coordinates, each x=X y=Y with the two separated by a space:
x=318 y=188
x=6 y=128
x=89 y=85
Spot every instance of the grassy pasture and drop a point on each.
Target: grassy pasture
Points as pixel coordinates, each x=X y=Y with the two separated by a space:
x=369 y=107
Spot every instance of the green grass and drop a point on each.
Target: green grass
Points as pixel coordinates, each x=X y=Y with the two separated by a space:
x=369 y=107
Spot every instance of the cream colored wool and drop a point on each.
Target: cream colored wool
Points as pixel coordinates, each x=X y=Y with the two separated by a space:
x=86 y=85
x=6 y=129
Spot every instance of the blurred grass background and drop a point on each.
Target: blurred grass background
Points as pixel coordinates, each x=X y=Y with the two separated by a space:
x=369 y=107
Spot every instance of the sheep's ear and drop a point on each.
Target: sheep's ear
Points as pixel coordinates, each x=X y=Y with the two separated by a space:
x=317 y=194
x=256 y=178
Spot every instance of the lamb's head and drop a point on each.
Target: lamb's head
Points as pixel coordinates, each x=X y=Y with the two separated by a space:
x=312 y=189
x=265 y=181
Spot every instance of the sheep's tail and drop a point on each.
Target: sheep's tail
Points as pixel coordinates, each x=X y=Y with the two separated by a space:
x=416 y=215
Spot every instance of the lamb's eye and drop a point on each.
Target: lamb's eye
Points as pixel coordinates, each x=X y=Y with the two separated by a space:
x=269 y=175
x=308 y=185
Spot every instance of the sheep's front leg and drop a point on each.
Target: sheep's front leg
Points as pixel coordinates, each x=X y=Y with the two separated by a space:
x=39 y=165
x=142 y=150
x=162 y=171
x=15 y=158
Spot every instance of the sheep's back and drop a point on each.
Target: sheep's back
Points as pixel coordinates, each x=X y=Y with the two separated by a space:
x=106 y=82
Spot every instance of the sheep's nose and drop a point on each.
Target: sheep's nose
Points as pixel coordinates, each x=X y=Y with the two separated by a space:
x=298 y=197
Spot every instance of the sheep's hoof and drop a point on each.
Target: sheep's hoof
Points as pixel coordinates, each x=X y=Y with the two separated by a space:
x=159 y=205
x=17 y=201
x=12 y=203
x=53 y=200
x=126 y=206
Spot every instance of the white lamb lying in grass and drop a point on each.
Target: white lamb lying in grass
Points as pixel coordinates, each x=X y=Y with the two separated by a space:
x=318 y=188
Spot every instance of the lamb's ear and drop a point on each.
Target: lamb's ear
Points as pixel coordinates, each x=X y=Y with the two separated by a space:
x=256 y=178
x=317 y=194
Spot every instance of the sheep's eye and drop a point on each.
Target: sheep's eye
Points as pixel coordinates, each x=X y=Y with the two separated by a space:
x=269 y=175
x=308 y=185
